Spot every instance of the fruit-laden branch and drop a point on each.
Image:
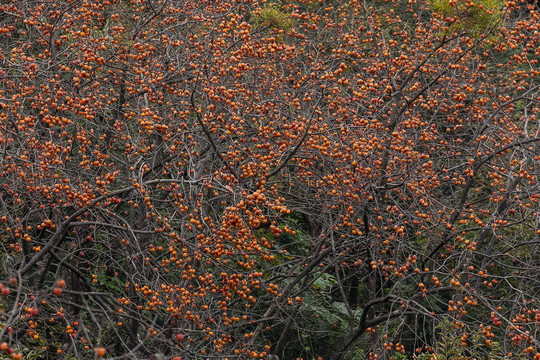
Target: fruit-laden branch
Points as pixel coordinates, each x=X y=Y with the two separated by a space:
x=364 y=323
x=273 y=308
x=301 y=141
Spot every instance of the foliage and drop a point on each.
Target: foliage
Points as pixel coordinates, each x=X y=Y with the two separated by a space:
x=272 y=16
x=478 y=18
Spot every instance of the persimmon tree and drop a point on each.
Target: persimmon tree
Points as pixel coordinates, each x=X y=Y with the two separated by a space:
x=237 y=179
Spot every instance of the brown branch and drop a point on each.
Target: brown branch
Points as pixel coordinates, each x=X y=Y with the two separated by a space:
x=302 y=139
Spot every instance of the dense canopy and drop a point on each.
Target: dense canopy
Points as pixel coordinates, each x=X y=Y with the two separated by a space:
x=238 y=179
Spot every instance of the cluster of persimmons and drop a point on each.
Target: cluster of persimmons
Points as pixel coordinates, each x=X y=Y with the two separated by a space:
x=236 y=179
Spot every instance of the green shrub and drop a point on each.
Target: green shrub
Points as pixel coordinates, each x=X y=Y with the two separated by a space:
x=272 y=16
x=477 y=18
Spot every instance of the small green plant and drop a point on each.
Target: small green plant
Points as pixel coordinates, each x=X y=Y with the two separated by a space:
x=478 y=18
x=271 y=15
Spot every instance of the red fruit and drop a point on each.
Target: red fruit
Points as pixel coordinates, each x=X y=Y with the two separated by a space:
x=5 y=290
x=4 y=346
x=177 y=358
x=34 y=311
x=57 y=291
x=100 y=352
x=61 y=283
x=180 y=337
x=10 y=351
x=13 y=280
